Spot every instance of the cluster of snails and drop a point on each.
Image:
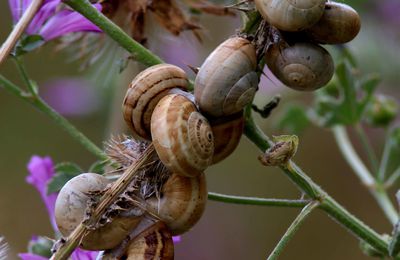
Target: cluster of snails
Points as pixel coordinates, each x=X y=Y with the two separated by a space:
x=299 y=62
x=190 y=132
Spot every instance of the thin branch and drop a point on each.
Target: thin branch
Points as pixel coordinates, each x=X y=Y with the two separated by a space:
x=376 y=189
x=368 y=148
x=19 y=28
x=385 y=159
x=292 y=230
x=73 y=240
x=256 y=201
x=42 y=106
x=393 y=178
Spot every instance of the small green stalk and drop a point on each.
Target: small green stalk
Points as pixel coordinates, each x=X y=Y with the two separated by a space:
x=292 y=230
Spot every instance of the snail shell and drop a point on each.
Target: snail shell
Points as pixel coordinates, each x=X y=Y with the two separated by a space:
x=182 y=137
x=153 y=243
x=339 y=24
x=291 y=15
x=227 y=81
x=144 y=92
x=302 y=66
x=70 y=210
x=227 y=132
x=181 y=203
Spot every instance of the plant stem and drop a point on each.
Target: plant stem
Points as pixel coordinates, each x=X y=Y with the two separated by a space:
x=328 y=204
x=24 y=75
x=393 y=178
x=257 y=201
x=368 y=148
x=376 y=188
x=19 y=28
x=42 y=106
x=385 y=159
x=292 y=230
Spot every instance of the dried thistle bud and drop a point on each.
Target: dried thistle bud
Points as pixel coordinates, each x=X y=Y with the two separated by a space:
x=284 y=148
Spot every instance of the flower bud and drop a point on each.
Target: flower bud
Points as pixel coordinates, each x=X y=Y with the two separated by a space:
x=382 y=110
x=284 y=148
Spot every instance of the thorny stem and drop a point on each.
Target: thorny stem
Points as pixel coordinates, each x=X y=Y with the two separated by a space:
x=19 y=28
x=257 y=201
x=374 y=186
x=328 y=204
x=42 y=106
x=292 y=230
x=368 y=148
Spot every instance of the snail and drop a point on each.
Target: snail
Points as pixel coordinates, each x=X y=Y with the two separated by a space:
x=302 y=66
x=227 y=132
x=71 y=207
x=291 y=15
x=227 y=81
x=181 y=202
x=339 y=24
x=150 y=240
x=144 y=92
x=182 y=137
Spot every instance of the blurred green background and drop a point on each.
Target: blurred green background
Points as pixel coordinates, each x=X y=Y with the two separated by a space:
x=225 y=231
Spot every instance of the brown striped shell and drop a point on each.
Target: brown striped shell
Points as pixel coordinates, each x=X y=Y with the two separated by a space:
x=291 y=15
x=339 y=24
x=227 y=81
x=70 y=210
x=227 y=132
x=153 y=243
x=302 y=66
x=181 y=203
x=144 y=92
x=182 y=137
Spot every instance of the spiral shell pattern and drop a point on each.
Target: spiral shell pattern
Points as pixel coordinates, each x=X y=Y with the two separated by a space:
x=144 y=92
x=181 y=203
x=226 y=82
x=70 y=210
x=303 y=66
x=339 y=24
x=153 y=243
x=291 y=15
x=182 y=137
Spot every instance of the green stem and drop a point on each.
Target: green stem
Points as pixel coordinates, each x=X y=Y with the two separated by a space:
x=385 y=159
x=367 y=147
x=257 y=201
x=292 y=230
x=42 y=106
x=376 y=188
x=24 y=75
x=252 y=132
x=138 y=52
x=393 y=178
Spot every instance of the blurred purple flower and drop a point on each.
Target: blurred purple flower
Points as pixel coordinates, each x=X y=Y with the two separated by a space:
x=389 y=10
x=50 y=22
x=71 y=97
x=41 y=170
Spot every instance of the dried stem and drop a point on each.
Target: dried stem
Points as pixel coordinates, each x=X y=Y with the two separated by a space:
x=19 y=28
x=65 y=250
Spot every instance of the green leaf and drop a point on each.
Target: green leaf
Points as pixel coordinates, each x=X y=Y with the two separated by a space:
x=346 y=98
x=97 y=167
x=64 y=172
x=28 y=43
x=294 y=120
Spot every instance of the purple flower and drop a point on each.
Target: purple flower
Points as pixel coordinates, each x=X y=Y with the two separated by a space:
x=50 y=22
x=71 y=96
x=41 y=170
